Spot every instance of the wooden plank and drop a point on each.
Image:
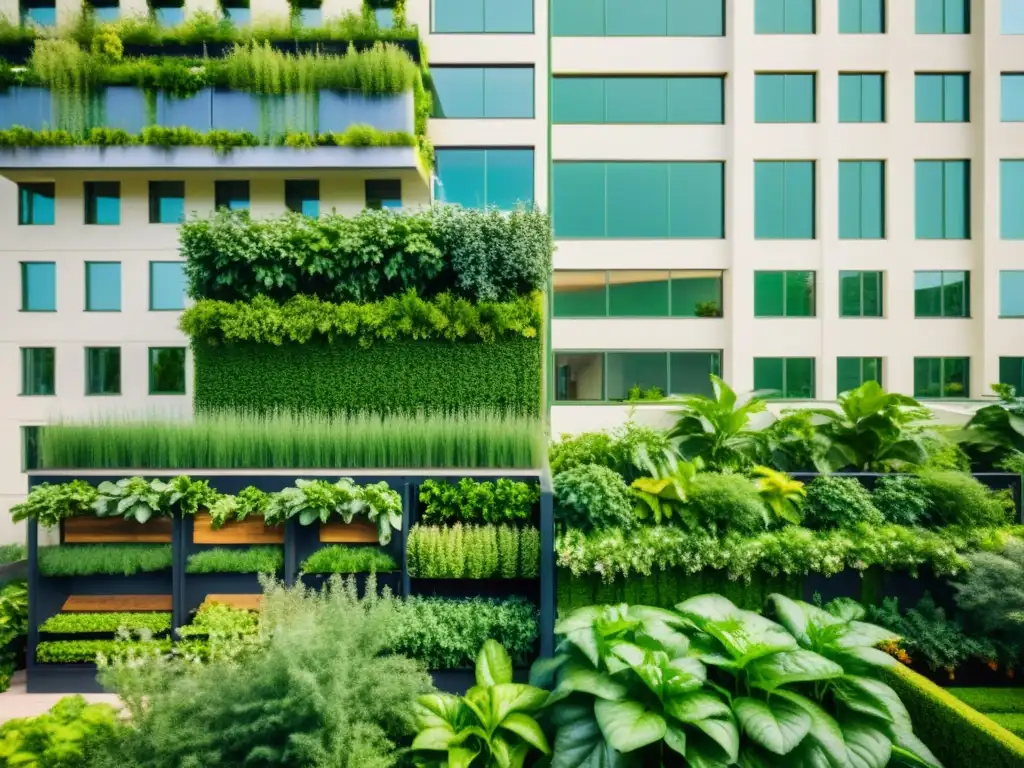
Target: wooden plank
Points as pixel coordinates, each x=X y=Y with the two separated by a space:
x=245 y=602
x=350 y=533
x=116 y=603
x=248 y=531
x=87 y=529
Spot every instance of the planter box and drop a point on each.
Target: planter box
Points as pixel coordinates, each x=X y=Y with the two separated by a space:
x=349 y=533
x=63 y=678
x=490 y=588
x=115 y=530
x=248 y=531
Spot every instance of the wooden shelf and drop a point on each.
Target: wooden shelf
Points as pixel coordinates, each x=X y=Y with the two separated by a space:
x=249 y=531
x=116 y=603
x=360 y=532
x=111 y=530
x=252 y=602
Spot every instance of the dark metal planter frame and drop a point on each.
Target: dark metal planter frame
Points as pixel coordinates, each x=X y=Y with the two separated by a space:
x=46 y=594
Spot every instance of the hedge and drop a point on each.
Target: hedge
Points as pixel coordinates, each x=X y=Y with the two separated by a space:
x=393 y=377
x=957 y=734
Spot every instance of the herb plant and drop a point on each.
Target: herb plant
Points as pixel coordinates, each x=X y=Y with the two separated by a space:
x=81 y=623
x=728 y=502
x=189 y=496
x=959 y=499
x=49 y=504
x=133 y=498
x=86 y=651
x=267 y=559
x=71 y=733
x=317 y=501
x=591 y=496
x=901 y=499
x=839 y=502
x=991 y=596
x=342 y=559
x=469 y=501
x=111 y=559
x=472 y=552
x=250 y=502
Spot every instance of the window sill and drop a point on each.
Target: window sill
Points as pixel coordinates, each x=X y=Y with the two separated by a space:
x=38 y=311
x=103 y=394
x=167 y=394
x=27 y=394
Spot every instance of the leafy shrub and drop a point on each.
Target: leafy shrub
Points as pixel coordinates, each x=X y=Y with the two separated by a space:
x=901 y=499
x=839 y=502
x=989 y=700
x=469 y=501
x=269 y=559
x=470 y=552
x=315 y=684
x=317 y=501
x=943 y=452
x=223 y=620
x=958 y=499
x=617 y=450
x=86 y=651
x=992 y=596
x=925 y=633
x=112 y=559
x=13 y=629
x=49 y=504
x=340 y=559
x=592 y=496
x=250 y=502
x=11 y=553
x=448 y=634
x=70 y=735
x=727 y=503
x=80 y=623
x=483 y=256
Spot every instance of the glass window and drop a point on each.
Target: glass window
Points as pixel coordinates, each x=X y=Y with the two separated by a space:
x=1011 y=371
x=696 y=294
x=385 y=17
x=784 y=98
x=861 y=17
x=1012 y=199
x=638 y=294
x=1011 y=293
x=478 y=92
x=492 y=16
x=784 y=294
x=41 y=13
x=860 y=294
x=784 y=17
x=579 y=376
x=785 y=377
x=102 y=202
x=166 y=202
x=105 y=11
x=689 y=373
x=851 y=372
x=38 y=286
x=168 y=13
x=1013 y=20
x=38 y=369
x=167 y=285
x=102 y=286
x=861 y=199
x=475 y=178
x=942 y=294
x=637 y=18
x=942 y=98
x=637 y=375
x=103 y=370
x=639 y=200
x=580 y=294
x=861 y=98
x=943 y=17
x=1013 y=98
x=784 y=200
x=383 y=193
x=36 y=203
x=236 y=11
x=942 y=199
x=167 y=370
x=302 y=196
x=625 y=293
x=942 y=377
x=231 y=194
x=29 y=448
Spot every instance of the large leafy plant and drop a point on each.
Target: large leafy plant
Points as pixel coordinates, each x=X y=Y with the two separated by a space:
x=49 y=504
x=720 y=686
x=664 y=494
x=783 y=495
x=250 y=502
x=492 y=726
x=313 y=501
x=133 y=498
x=188 y=495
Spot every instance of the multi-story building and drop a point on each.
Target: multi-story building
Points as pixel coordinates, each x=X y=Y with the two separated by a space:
x=798 y=195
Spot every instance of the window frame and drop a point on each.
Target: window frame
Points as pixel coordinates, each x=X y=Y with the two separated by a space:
x=945 y=16
x=882 y=167
x=862 y=379
x=89 y=372
x=120 y=285
x=152 y=282
x=483 y=12
x=152 y=373
x=484 y=70
x=883 y=112
x=942 y=294
x=715 y=357
x=27 y=203
x=762 y=78
x=785 y=165
x=945 y=164
x=294 y=189
x=607 y=273
x=860 y=7
x=919 y=80
x=155 y=199
x=785 y=376
x=1002 y=313
x=862 y=274
x=966 y=395
x=785 y=15
x=438 y=153
x=1018 y=362
x=786 y=273
x=377 y=202
x=26 y=352
x=24 y=269
x=92 y=191
x=222 y=194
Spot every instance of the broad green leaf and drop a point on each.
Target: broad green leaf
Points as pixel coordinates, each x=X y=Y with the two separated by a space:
x=750 y=636
x=141 y=513
x=437 y=710
x=107 y=488
x=675 y=739
x=705 y=755
x=662 y=629
x=515 y=697
x=823 y=746
x=461 y=757
x=493 y=665
x=866 y=745
x=699 y=705
x=630 y=654
x=577 y=677
x=910 y=748
x=684 y=675
x=579 y=743
x=753 y=757
x=628 y=725
x=308 y=516
x=543 y=671
x=526 y=728
x=508 y=755
x=579 y=629
x=126 y=503
x=799 y=617
x=859 y=633
x=778 y=725
x=724 y=733
x=872 y=697
x=434 y=738
x=799 y=666
x=846 y=609
x=708 y=608
x=861 y=660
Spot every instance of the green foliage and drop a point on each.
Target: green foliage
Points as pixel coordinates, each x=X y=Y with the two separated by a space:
x=469 y=501
x=68 y=736
x=303 y=319
x=250 y=502
x=989 y=700
x=726 y=503
x=901 y=499
x=49 y=504
x=313 y=687
x=448 y=634
x=592 y=497
x=793 y=550
x=483 y=256
x=792 y=442
x=80 y=623
x=267 y=559
x=234 y=441
x=11 y=553
x=783 y=495
x=13 y=629
x=86 y=651
x=492 y=725
x=340 y=559
x=959 y=499
x=400 y=377
x=313 y=501
x=665 y=495
x=992 y=596
x=471 y=552
x=943 y=450
x=994 y=432
x=957 y=734
x=870 y=431
x=133 y=498
x=214 y=619
x=1012 y=722
x=839 y=502
x=927 y=634
x=111 y=559
x=189 y=496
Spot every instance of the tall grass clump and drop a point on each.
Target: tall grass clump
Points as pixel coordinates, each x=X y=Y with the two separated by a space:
x=234 y=441
x=339 y=559
x=108 y=559
x=62 y=65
